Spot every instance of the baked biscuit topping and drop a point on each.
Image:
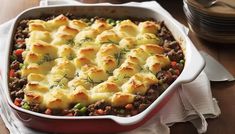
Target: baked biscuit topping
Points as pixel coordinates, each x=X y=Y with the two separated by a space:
x=69 y=61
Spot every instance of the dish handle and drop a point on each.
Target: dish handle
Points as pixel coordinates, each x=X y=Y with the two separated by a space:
x=193 y=65
x=43 y=3
x=128 y=120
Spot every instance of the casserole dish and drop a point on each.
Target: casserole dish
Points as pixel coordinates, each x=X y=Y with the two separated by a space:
x=193 y=66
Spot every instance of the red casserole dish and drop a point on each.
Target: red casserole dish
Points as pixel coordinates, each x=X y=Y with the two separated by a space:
x=194 y=64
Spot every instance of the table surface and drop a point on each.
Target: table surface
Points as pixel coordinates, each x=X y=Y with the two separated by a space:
x=224 y=92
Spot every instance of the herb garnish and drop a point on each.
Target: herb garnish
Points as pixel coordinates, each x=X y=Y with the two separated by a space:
x=46 y=58
x=70 y=42
x=147 y=68
x=77 y=74
x=59 y=82
x=86 y=39
x=89 y=80
x=141 y=68
x=110 y=41
x=109 y=73
x=71 y=56
x=119 y=56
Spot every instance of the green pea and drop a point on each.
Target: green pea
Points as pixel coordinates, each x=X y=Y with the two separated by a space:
x=21 y=65
x=118 y=21
x=13 y=57
x=26 y=106
x=113 y=24
x=78 y=106
x=160 y=81
x=111 y=21
x=182 y=61
x=83 y=110
x=165 y=86
x=122 y=111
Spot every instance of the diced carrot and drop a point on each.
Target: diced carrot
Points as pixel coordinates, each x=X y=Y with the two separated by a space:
x=69 y=114
x=100 y=112
x=12 y=73
x=173 y=64
x=17 y=102
x=129 y=106
x=19 y=52
x=177 y=72
x=48 y=111
x=20 y=41
x=134 y=112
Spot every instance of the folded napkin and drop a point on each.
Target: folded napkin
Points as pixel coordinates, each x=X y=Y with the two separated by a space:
x=191 y=102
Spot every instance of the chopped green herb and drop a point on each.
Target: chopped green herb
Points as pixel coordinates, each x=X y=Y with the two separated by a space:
x=119 y=56
x=74 y=87
x=109 y=73
x=149 y=36
x=110 y=41
x=141 y=68
x=70 y=42
x=59 y=82
x=78 y=44
x=71 y=57
x=77 y=74
x=89 y=80
x=111 y=21
x=147 y=68
x=116 y=79
x=46 y=58
x=125 y=51
x=86 y=39
x=126 y=77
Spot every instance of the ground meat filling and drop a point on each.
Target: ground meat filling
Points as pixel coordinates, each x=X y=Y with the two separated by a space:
x=166 y=76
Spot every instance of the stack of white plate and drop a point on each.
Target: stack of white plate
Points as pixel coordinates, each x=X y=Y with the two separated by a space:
x=216 y=24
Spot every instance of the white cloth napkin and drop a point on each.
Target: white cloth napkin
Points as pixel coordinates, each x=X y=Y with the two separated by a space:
x=191 y=102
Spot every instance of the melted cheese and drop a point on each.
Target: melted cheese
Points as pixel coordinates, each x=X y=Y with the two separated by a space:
x=71 y=61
